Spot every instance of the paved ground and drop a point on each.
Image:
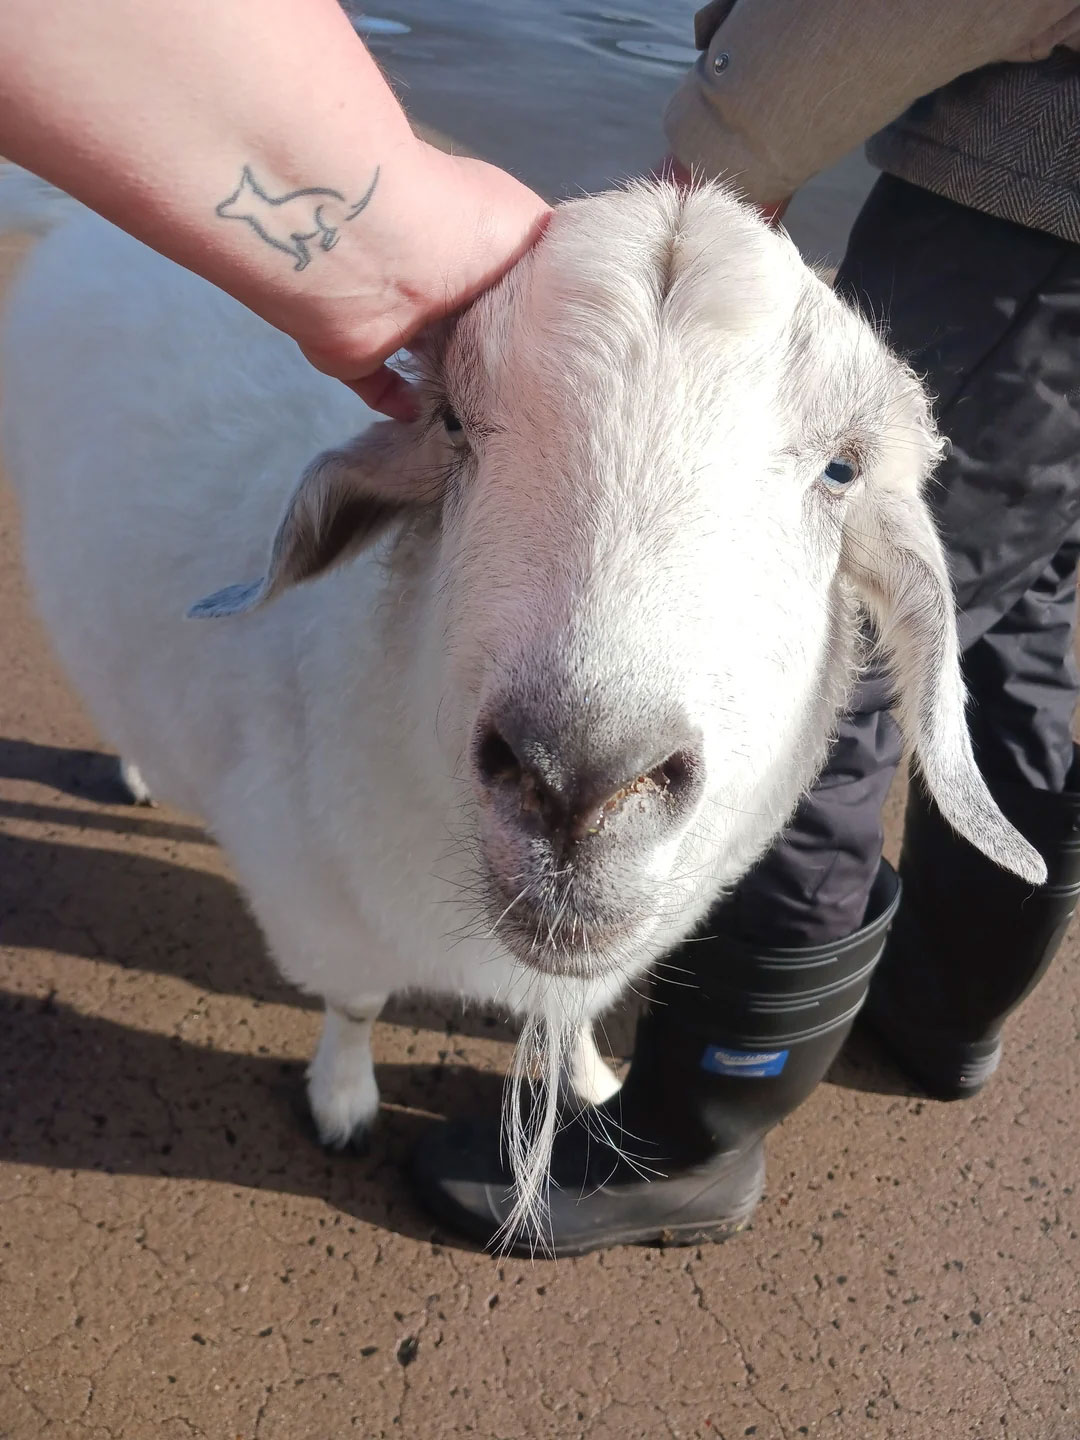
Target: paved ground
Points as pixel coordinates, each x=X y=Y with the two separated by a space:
x=178 y=1259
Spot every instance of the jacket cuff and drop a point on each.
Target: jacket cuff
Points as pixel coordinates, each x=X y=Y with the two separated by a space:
x=786 y=87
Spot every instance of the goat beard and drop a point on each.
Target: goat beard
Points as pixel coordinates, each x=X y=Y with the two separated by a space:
x=531 y=1109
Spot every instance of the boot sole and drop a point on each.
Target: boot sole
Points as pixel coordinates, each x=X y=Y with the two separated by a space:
x=958 y=1074
x=712 y=1231
x=669 y=1237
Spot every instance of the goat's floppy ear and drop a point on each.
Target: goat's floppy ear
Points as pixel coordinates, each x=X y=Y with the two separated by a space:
x=893 y=555
x=345 y=500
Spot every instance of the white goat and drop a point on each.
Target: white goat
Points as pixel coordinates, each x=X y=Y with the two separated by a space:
x=577 y=639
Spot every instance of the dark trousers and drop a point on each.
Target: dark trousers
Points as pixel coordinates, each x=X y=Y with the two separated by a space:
x=989 y=312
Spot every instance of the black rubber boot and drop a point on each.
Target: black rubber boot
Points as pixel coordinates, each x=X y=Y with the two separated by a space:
x=971 y=941
x=716 y=1065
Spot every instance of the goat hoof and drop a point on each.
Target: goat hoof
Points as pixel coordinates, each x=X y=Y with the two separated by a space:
x=343 y=1121
x=137 y=789
x=357 y=1143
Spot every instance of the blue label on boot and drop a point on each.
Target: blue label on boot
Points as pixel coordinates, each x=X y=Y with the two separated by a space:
x=754 y=1064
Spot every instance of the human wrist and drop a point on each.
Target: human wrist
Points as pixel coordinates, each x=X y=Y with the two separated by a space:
x=445 y=229
x=371 y=281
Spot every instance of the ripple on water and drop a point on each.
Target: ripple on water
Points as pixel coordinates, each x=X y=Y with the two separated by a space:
x=601 y=32
x=658 y=50
x=615 y=17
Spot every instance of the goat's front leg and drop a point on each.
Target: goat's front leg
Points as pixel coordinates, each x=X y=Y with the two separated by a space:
x=132 y=781
x=588 y=1074
x=342 y=1092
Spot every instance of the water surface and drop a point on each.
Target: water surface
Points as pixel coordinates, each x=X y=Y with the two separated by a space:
x=567 y=96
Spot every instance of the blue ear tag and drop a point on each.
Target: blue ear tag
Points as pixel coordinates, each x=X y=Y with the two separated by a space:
x=752 y=1064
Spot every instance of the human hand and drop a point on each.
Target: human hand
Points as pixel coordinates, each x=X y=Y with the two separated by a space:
x=459 y=225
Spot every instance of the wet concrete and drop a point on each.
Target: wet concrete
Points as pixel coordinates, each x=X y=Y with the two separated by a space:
x=178 y=1258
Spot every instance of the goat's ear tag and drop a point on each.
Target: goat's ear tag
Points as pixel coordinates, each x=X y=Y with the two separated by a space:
x=232 y=600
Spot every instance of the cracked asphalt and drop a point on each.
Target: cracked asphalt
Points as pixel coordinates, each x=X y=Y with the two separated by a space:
x=179 y=1259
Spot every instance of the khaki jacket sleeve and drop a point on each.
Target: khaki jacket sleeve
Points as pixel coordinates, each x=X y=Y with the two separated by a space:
x=786 y=87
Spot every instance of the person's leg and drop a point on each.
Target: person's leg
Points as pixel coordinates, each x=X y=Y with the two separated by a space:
x=791 y=954
x=812 y=886
x=1022 y=677
x=971 y=942
x=989 y=312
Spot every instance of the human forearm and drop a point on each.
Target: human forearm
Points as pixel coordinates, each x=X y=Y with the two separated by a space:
x=189 y=127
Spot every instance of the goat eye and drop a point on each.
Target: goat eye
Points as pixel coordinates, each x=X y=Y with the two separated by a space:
x=838 y=475
x=455 y=431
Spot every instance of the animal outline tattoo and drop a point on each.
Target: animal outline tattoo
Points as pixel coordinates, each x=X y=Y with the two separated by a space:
x=288 y=222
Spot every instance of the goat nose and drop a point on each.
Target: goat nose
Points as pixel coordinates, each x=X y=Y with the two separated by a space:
x=570 y=788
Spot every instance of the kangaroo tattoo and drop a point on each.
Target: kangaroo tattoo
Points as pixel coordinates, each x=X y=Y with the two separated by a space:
x=288 y=222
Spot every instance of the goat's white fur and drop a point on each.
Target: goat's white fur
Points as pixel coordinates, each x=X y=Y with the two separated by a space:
x=653 y=393
x=134 y=784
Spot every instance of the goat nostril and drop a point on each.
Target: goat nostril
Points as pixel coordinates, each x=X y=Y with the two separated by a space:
x=676 y=773
x=496 y=761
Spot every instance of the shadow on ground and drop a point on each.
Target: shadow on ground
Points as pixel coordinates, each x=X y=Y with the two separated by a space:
x=187 y=1112
x=93 y=1094
x=89 y=774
